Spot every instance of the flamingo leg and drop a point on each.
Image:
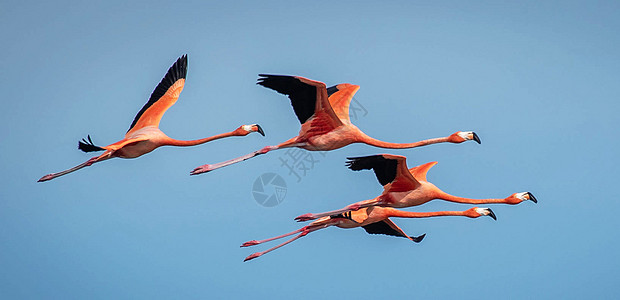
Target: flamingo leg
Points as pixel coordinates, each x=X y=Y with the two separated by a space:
x=304 y=231
x=210 y=167
x=87 y=163
x=352 y=207
x=255 y=242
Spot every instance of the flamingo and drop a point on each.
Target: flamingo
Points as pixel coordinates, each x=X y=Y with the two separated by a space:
x=375 y=220
x=404 y=187
x=325 y=123
x=144 y=135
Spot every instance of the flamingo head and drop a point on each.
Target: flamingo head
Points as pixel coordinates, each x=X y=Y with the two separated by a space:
x=247 y=129
x=517 y=198
x=476 y=212
x=484 y=211
x=462 y=136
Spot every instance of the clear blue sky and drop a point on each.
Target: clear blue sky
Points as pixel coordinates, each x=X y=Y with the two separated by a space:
x=537 y=81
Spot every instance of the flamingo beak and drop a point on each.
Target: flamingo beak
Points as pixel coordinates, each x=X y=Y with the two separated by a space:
x=492 y=214
x=476 y=138
x=532 y=197
x=259 y=129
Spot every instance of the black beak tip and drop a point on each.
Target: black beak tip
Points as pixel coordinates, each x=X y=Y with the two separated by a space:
x=492 y=215
x=260 y=130
x=532 y=197
x=476 y=138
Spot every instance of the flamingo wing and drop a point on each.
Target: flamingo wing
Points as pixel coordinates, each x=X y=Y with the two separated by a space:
x=308 y=98
x=388 y=227
x=420 y=171
x=165 y=95
x=340 y=98
x=389 y=169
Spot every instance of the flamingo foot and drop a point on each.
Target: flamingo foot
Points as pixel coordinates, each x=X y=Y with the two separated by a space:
x=354 y=207
x=250 y=243
x=305 y=217
x=253 y=256
x=202 y=169
x=47 y=177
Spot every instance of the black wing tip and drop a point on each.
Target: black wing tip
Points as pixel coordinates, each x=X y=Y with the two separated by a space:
x=417 y=239
x=88 y=145
x=268 y=80
x=302 y=95
x=382 y=227
x=331 y=90
x=180 y=67
x=353 y=164
x=385 y=168
x=273 y=75
x=362 y=162
x=177 y=71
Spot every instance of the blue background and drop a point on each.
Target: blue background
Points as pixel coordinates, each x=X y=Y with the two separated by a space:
x=538 y=82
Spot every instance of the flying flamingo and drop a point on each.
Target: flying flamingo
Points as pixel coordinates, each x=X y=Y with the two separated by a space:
x=144 y=134
x=375 y=220
x=324 y=116
x=406 y=188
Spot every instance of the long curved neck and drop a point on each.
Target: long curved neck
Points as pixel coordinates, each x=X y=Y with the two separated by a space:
x=451 y=198
x=377 y=143
x=410 y=214
x=173 y=142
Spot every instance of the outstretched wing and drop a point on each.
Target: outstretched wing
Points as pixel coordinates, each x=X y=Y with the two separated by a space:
x=165 y=95
x=308 y=98
x=340 y=98
x=389 y=169
x=388 y=227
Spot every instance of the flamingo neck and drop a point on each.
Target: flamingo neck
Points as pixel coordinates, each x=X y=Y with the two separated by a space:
x=173 y=142
x=409 y=214
x=377 y=143
x=451 y=198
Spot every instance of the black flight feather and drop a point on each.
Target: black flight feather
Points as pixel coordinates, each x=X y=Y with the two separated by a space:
x=176 y=72
x=344 y=215
x=303 y=96
x=385 y=169
x=384 y=228
x=381 y=228
x=88 y=146
x=331 y=90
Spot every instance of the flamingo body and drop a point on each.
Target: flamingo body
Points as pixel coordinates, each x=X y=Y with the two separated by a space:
x=146 y=140
x=335 y=139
